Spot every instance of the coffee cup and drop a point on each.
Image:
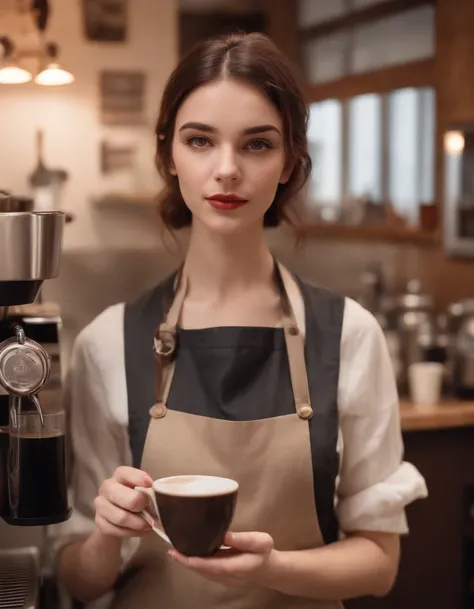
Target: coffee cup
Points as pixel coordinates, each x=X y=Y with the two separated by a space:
x=192 y=513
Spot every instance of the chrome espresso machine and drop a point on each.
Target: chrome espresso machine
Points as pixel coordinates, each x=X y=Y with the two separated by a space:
x=33 y=478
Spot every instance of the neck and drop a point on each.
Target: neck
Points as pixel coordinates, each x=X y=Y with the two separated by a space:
x=223 y=265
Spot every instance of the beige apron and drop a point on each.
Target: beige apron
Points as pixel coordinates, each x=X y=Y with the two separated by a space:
x=270 y=459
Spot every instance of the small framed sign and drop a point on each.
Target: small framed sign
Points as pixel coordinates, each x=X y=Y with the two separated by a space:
x=122 y=97
x=105 y=20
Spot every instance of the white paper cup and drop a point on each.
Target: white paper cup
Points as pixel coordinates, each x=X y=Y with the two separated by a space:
x=425 y=379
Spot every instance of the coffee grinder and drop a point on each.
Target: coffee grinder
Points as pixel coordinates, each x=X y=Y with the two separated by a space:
x=33 y=485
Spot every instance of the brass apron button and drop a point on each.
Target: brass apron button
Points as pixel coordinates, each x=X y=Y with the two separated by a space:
x=158 y=411
x=305 y=412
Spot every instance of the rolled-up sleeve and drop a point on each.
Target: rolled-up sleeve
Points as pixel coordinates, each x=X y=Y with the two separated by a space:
x=97 y=440
x=375 y=484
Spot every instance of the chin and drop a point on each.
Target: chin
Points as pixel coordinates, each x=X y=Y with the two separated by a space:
x=228 y=223
x=227 y=227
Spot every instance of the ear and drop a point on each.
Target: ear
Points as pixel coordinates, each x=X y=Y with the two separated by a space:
x=172 y=168
x=286 y=173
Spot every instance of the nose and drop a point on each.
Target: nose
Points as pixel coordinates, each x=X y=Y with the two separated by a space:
x=227 y=166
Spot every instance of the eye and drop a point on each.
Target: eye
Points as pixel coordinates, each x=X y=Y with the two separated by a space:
x=259 y=145
x=198 y=141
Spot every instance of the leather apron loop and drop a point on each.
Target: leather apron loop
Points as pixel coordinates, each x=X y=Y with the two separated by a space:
x=165 y=342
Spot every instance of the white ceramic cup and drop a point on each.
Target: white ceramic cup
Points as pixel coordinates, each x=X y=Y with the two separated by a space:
x=425 y=379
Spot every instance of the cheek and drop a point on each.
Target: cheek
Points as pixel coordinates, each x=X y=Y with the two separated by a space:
x=189 y=170
x=266 y=176
x=188 y=162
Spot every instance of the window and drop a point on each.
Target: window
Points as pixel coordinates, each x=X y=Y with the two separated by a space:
x=325 y=58
x=411 y=149
x=365 y=146
x=312 y=12
x=325 y=142
x=401 y=38
x=389 y=141
x=331 y=51
x=373 y=139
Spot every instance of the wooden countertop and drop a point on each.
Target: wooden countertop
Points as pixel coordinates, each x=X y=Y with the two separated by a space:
x=448 y=414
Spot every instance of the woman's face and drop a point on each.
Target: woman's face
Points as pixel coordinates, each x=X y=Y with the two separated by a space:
x=228 y=154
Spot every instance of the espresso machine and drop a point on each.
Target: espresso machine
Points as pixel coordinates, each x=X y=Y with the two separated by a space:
x=33 y=480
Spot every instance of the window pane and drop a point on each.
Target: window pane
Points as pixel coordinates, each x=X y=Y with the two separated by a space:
x=311 y=12
x=411 y=149
x=325 y=145
x=325 y=58
x=405 y=37
x=403 y=152
x=365 y=146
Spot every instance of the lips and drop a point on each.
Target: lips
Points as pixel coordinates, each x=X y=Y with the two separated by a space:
x=226 y=201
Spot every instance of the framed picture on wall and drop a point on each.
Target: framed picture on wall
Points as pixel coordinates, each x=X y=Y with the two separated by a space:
x=122 y=97
x=115 y=158
x=105 y=20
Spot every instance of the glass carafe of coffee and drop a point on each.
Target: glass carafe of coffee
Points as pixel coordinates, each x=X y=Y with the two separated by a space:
x=37 y=486
x=36 y=464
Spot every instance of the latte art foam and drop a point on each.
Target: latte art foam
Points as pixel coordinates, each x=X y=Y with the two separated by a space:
x=195 y=486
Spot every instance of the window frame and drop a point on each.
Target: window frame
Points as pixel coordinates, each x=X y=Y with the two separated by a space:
x=414 y=74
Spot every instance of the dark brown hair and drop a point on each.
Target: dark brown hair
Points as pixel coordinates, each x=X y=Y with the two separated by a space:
x=253 y=59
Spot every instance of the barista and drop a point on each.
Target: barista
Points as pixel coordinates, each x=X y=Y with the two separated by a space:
x=283 y=386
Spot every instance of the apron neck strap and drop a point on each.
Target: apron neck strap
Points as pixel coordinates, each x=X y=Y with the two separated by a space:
x=295 y=346
x=165 y=343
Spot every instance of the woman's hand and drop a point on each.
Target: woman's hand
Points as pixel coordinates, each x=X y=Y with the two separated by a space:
x=246 y=563
x=117 y=504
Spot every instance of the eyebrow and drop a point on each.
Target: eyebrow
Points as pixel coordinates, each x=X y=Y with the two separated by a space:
x=249 y=131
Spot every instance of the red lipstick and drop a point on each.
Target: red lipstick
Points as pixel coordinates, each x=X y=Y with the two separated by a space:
x=226 y=201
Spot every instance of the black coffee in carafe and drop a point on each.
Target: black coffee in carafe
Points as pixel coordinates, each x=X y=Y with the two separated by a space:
x=40 y=476
x=3 y=454
x=37 y=481
x=3 y=469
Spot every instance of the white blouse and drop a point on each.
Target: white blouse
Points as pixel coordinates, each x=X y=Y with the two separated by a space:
x=374 y=483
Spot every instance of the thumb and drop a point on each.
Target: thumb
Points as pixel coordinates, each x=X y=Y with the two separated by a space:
x=257 y=543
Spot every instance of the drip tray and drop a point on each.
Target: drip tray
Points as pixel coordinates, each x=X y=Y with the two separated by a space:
x=19 y=578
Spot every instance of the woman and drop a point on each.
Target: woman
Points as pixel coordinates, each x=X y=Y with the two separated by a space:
x=283 y=386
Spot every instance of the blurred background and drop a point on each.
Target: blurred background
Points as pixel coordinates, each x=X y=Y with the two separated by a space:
x=387 y=217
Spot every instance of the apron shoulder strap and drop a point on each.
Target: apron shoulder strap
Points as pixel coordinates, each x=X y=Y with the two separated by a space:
x=141 y=318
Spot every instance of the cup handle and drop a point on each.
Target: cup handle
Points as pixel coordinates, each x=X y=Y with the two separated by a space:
x=150 y=514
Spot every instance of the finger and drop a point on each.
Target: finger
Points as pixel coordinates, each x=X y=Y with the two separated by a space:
x=123 y=497
x=107 y=528
x=203 y=572
x=120 y=517
x=132 y=477
x=233 y=566
x=257 y=543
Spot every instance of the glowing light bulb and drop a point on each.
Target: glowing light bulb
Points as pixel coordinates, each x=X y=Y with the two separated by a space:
x=14 y=75
x=53 y=75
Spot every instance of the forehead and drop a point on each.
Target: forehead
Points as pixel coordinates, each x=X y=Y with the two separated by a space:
x=228 y=105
